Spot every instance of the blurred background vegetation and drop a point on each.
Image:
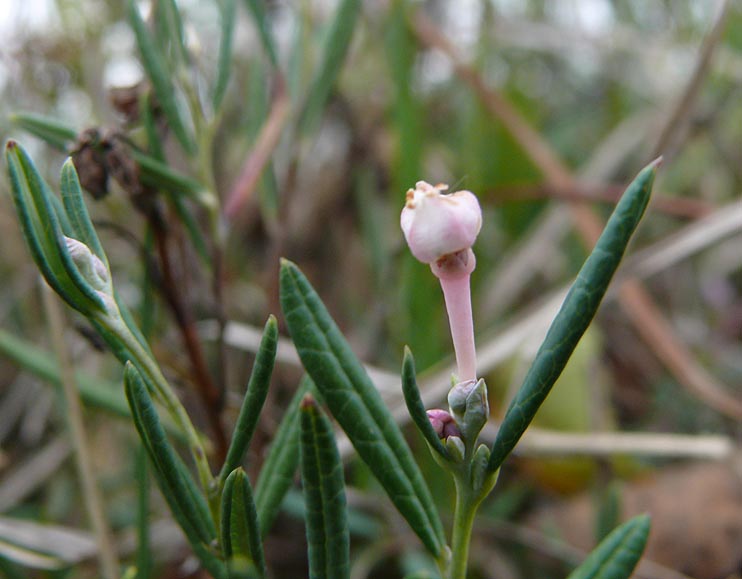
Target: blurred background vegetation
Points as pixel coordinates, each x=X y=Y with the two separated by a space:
x=544 y=109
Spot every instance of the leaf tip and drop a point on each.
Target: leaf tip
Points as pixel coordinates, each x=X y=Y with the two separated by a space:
x=308 y=402
x=657 y=163
x=10 y=145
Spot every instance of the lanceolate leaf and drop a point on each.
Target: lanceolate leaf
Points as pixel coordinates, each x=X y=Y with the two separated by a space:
x=334 y=50
x=357 y=406
x=76 y=211
x=183 y=496
x=281 y=463
x=240 y=532
x=257 y=389
x=618 y=553
x=224 y=67
x=54 y=132
x=415 y=405
x=158 y=73
x=324 y=495
x=153 y=171
x=575 y=315
x=42 y=231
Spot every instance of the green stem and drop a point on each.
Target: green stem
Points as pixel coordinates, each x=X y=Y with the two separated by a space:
x=169 y=400
x=463 y=522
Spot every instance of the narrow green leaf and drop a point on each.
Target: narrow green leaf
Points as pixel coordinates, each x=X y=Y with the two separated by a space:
x=336 y=45
x=415 y=405
x=157 y=174
x=575 y=315
x=43 y=364
x=180 y=491
x=618 y=553
x=77 y=212
x=160 y=77
x=43 y=233
x=324 y=496
x=170 y=33
x=241 y=542
x=54 y=132
x=279 y=467
x=224 y=65
x=257 y=9
x=608 y=510
x=94 y=392
x=257 y=389
x=356 y=404
x=360 y=523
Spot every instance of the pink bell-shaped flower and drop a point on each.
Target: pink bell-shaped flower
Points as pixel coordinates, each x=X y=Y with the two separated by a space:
x=436 y=224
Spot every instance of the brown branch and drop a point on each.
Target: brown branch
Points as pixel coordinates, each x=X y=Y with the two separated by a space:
x=676 y=125
x=208 y=392
x=633 y=297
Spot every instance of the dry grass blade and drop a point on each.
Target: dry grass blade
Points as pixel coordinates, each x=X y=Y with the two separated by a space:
x=69 y=545
x=29 y=475
x=676 y=126
x=257 y=160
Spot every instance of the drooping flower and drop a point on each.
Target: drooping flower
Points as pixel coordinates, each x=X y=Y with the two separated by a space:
x=436 y=224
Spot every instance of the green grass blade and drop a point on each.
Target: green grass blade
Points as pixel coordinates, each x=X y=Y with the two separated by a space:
x=415 y=405
x=157 y=174
x=241 y=542
x=185 y=500
x=257 y=389
x=53 y=132
x=279 y=467
x=158 y=73
x=357 y=405
x=43 y=364
x=618 y=553
x=336 y=45
x=170 y=33
x=224 y=65
x=257 y=9
x=575 y=315
x=324 y=494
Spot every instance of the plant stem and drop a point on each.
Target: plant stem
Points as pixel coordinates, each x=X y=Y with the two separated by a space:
x=166 y=395
x=91 y=495
x=463 y=522
x=457 y=294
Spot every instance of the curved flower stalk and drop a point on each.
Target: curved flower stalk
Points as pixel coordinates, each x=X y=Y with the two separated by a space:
x=440 y=230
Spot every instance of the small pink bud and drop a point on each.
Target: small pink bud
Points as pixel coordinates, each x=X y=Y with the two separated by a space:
x=436 y=224
x=443 y=423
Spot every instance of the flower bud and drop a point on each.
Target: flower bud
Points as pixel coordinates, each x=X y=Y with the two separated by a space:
x=443 y=423
x=436 y=224
x=456 y=448
x=470 y=408
x=92 y=269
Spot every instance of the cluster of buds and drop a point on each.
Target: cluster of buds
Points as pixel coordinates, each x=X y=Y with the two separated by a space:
x=440 y=230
